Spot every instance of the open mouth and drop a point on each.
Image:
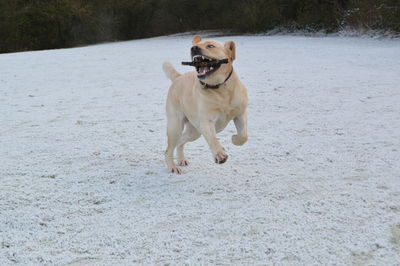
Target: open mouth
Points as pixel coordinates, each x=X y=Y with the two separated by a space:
x=205 y=66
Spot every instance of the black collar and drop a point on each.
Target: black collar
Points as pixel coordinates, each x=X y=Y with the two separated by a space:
x=208 y=86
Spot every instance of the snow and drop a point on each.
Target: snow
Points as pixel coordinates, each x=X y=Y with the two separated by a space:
x=83 y=179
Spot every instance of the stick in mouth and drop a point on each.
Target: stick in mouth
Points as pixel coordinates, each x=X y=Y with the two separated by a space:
x=213 y=62
x=204 y=65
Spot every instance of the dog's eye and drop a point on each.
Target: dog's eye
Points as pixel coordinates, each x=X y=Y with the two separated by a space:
x=210 y=46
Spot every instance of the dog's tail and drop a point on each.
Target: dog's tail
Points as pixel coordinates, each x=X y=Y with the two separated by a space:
x=170 y=71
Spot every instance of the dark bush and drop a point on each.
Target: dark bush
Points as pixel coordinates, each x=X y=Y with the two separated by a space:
x=373 y=15
x=45 y=24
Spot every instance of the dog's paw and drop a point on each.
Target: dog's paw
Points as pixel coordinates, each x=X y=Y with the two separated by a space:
x=220 y=157
x=239 y=140
x=175 y=170
x=183 y=162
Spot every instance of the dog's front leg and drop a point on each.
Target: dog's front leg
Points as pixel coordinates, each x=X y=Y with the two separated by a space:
x=207 y=128
x=241 y=127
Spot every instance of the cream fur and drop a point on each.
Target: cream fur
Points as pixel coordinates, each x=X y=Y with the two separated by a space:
x=193 y=111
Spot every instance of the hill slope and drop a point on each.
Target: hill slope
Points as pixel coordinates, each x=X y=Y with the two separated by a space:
x=83 y=178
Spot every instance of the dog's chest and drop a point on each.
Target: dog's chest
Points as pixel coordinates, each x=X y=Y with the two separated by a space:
x=227 y=110
x=229 y=105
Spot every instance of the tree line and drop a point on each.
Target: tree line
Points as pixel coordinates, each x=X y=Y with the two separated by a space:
x=45 y=24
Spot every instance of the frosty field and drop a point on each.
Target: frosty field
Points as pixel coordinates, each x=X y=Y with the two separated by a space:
x=83 y=179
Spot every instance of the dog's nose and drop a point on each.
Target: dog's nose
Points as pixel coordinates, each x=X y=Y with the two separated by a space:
x=195 y=49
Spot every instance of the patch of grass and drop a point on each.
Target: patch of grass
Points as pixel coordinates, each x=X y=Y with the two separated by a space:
x=49 y=176
x=395 y=230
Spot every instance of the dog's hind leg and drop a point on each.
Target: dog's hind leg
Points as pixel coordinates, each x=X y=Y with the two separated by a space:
x=190 y=134
x=175 y=122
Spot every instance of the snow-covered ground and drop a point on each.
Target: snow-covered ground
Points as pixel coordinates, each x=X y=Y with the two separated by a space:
x=83 y=180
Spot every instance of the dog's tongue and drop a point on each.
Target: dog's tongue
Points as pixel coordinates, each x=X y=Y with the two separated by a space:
x=204 y=70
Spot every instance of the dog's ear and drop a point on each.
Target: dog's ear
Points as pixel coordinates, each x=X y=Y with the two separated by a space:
x=196 y=39
x=231 y=46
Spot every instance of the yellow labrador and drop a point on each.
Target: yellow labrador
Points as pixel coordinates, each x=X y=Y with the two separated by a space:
x=203 y=102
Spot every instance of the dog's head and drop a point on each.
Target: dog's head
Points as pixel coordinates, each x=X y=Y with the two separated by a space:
x=207 y=50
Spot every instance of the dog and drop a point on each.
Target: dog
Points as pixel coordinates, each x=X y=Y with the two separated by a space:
x=204 y=101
